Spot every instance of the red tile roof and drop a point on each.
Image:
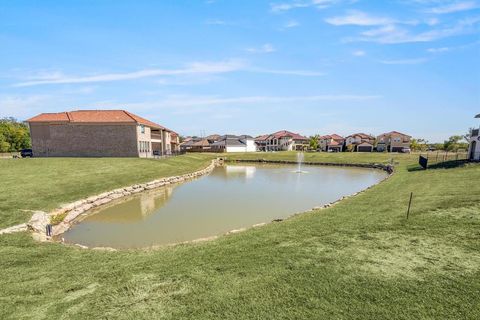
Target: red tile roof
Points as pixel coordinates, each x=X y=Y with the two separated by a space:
x=395 y=132
x=285 y=133
x=334 y=136
x=333 y=143
x=95 y=116
x=362 y=135
x=337 y=137
x=262 y=137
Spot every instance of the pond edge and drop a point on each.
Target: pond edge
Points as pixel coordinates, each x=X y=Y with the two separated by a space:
x=73 y=210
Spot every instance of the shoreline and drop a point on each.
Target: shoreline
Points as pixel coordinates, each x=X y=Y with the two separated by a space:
x=387 y=168
x=74 y=211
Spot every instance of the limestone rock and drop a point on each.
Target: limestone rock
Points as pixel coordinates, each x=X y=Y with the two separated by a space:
x=99 y=202
x=38 y=222
x=17 y=228
x=60 y=228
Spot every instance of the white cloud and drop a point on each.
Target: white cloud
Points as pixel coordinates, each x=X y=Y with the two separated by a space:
x=189 y=101
x=438 y=50
x=303 y=73
x=390 y=31
x=359 y=53
x=194 y=73
x=432 y=21
x=454 y=7
x=23 y=106
x=319 y=4
x=359 y=18
x=215 y=22
x=191 y=69
x=391 y=34
x=291 y=24
x=266 y=48
x=405 y=61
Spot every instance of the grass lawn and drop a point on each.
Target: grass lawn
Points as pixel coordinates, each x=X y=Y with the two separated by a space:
x=44 y=184
x=358 y=260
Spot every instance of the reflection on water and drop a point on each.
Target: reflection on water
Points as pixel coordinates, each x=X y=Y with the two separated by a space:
x=134 y=208
x=247 y=171
x=231 y=197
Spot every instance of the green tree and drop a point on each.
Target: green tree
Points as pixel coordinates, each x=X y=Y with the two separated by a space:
x=14 y=135
x=419 y=144
x=313 y=143
x=454 y=143
x=4 y=145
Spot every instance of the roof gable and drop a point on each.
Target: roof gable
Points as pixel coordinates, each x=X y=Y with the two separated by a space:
x=395 y=133
x=285 y=133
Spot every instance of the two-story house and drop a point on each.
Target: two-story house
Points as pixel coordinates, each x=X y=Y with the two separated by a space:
x=261 y=142
x=99 y=133
x=393 y=141
x=360 y=142
x=331 y=142
x=282 y=141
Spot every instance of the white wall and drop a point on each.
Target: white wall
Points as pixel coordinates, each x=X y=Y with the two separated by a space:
x=477 y=148
x=251 y=146
x=235 y=149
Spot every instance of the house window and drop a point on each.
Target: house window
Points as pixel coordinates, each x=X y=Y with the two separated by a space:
x=142 y=128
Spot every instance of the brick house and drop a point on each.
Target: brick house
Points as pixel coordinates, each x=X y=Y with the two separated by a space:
x=99 y=133
x=331 y=142
x=393 y=141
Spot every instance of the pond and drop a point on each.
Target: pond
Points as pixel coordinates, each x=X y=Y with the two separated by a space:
x=231 y=197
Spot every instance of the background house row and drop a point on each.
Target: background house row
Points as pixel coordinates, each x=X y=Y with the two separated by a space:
x=288 y=141
x=119 y=133
x=393 y=141
x=218 y=143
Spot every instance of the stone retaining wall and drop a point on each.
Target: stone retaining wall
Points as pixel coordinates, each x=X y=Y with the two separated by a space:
x=74 y=209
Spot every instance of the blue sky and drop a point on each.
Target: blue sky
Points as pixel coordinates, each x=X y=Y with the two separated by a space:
x=218 y=66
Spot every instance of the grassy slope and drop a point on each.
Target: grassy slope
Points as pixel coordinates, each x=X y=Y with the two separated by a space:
x=359 y=259
x=43 y=184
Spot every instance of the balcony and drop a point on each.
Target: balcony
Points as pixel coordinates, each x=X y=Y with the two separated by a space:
x=156 y=136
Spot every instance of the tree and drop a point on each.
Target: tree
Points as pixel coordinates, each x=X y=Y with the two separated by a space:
x=454 y=143
x=419 y=144
x=14 y=135
x=313 y=143
x=4 y=145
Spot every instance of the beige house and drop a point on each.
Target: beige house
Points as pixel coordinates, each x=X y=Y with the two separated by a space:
x=331 y=142
x=393 y=141
x=281 y=141
x=99 y=133
x=360 y=142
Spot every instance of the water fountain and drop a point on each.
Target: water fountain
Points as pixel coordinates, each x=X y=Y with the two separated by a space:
x=300 y=158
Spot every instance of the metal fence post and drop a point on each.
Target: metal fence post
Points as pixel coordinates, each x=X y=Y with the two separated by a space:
x=409 y=204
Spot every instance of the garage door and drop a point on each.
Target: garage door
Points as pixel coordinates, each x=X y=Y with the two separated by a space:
x=364 y=149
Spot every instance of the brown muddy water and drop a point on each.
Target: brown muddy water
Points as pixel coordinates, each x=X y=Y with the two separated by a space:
x=231 y=197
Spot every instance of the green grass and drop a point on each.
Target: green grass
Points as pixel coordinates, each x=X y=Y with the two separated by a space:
x=46 y=183
x=358 y=260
